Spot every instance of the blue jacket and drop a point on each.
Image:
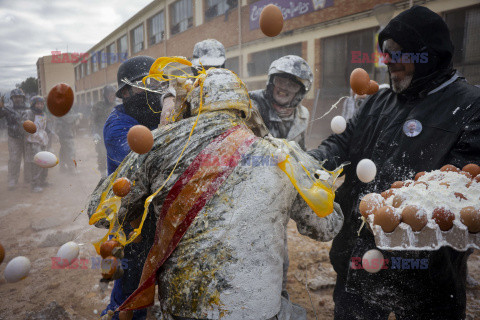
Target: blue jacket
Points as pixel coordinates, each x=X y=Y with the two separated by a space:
x=115 y=133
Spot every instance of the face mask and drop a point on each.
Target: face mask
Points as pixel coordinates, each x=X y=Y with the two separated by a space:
x=137 y=107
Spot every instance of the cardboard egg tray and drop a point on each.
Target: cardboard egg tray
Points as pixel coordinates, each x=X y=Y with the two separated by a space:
x=430 y=238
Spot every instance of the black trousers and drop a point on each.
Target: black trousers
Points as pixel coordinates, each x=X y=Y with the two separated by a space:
x=350 y=306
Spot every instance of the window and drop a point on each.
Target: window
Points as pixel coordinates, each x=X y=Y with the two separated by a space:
x=181 y=16
x=87 y=67
x=102 y=58
x=136 y=36
x=337 y=61
x=464 y=24
x=216 y=8
x=112 y=56
x=122 y=48
x=260 y=61
x=94 y=62
x=82 y=70
x=156 y=28
x=233 y=64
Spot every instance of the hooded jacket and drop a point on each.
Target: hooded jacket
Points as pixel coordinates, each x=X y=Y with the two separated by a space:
x=450 y=134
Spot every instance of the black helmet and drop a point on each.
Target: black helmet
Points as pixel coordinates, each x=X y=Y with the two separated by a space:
x=133 y=69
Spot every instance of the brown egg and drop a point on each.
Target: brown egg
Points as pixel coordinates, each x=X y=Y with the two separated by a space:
x=370 y=203
x=2 y=253
x=125 y=315
x=387 y=193
x=138 y=239
x=359 y=81
x=470 y=217
x=140 y=139
x=109 y=266
x=372 y=87
x=397 y=184
x=449 y=167
x=271 y=20
x=460 y=196
x=29 y=126
x=419 y=175
x=398 y=200
x=386 y=218
x=60 y=99
x=444 y=218
x=472 y=168
x=421 y=183
x=121 y=187
x=107 y=248
x=136 y=223
x=415 y=217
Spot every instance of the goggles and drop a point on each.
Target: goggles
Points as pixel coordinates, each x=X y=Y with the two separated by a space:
x=286 y=84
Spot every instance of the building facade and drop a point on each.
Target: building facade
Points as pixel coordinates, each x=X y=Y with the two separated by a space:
x=51 y=71
x=328 y=34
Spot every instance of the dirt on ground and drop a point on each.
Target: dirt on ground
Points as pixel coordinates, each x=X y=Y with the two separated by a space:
x=35 y=225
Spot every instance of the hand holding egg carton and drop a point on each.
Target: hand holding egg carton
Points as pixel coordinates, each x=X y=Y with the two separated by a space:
x=436 y=209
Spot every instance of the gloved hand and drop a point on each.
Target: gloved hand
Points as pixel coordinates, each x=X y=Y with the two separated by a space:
x=97 y=138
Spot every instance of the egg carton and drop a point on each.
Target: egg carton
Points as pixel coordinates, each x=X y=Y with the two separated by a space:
x=430 y=238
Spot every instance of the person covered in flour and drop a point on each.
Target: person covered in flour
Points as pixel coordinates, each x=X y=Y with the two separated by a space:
x=429 y=118
x=280 y=103
x=220 y=221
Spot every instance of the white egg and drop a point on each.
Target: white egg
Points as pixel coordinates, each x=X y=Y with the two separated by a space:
x=17 y=269
x=366 y=170
x=338 y=124
x=372 y=261
x=45 y=159
x=69 y=251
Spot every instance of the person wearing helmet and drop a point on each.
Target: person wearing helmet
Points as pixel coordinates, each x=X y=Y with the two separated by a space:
x=225 y=257
x=16 y=115
x=100 y=112
x=445 y=111
x=138 y=107
x=207 y=54
x=37 y=142
x=289 y=80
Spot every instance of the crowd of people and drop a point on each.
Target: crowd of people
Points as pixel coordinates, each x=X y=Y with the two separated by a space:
x=214 y=238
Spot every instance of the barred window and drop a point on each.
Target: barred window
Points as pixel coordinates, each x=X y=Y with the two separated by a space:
x=111 y=54
x=464 y=25
x=122 y=48
x=260 y=61
x=181 y=16
x=156 y=28
x=337 y=61
x=136 y=36
x=216 y=8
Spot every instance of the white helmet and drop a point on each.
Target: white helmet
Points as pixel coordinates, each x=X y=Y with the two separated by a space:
x=222 y=90
x=297 y=69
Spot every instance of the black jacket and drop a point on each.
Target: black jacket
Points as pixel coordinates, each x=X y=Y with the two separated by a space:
x=450 y=134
